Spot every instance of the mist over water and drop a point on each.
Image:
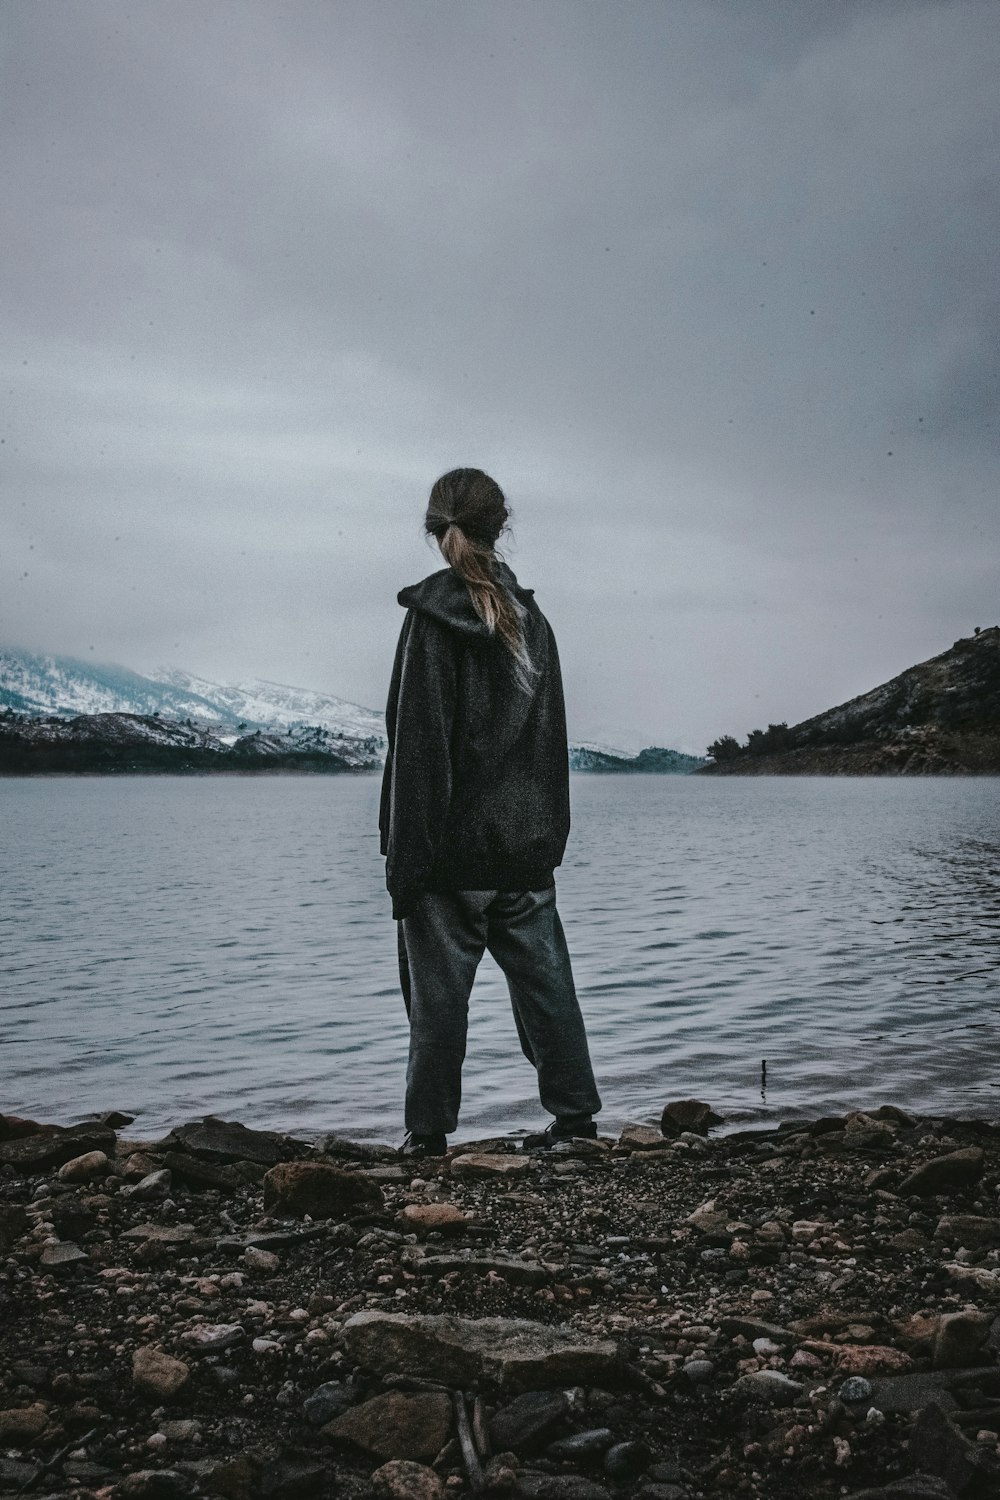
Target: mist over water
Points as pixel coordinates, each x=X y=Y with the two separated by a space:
x=180 y=946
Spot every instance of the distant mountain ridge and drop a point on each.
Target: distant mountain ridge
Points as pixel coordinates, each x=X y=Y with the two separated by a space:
x=64 y=686
x=123 y=720
x=940 y=717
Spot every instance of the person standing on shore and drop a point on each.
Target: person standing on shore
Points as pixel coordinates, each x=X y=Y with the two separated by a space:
x=474 y=818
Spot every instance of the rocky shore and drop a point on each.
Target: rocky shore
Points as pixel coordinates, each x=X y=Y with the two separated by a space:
x=809 y=1311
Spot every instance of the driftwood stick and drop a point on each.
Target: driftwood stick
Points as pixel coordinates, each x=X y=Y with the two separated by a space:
x=480 y=1431
x=470 y=1457
x=57 y=1458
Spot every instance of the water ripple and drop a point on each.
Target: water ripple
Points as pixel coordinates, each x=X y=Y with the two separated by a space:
x=173 y=946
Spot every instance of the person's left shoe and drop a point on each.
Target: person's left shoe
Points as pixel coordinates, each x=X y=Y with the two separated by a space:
x=423 y=1145
x=560 y=1130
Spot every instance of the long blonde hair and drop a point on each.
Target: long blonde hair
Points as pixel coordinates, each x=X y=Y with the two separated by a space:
x=467 y=512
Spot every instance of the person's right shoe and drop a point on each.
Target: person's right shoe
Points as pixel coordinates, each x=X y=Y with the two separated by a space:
x=560 y=1130
x=423 y=1145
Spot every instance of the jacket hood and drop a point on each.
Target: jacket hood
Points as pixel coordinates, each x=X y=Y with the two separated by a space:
x=446 y=596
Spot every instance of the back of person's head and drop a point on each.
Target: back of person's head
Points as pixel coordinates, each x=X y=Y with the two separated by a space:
x=467 y=513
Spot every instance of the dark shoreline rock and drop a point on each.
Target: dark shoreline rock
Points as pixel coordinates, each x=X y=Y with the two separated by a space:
x=817 y=1304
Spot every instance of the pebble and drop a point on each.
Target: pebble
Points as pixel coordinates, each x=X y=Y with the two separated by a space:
x=212 y=1338
x=854 y=1389
x=256 y=1259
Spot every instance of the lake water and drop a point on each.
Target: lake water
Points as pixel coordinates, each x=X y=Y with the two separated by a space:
x=180 y=946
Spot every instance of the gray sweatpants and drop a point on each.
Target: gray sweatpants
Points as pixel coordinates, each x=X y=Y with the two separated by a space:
x=440 y=947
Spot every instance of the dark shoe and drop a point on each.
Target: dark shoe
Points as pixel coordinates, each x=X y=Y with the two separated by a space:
x=560 y=1130
x=423 y=1145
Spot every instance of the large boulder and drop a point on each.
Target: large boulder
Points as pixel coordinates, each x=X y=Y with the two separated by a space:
x=323 y=1191
x=944 y=1174
x=511 y=1353
x=396 y=1425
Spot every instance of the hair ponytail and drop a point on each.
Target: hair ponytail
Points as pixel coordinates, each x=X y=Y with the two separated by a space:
x=467 y=512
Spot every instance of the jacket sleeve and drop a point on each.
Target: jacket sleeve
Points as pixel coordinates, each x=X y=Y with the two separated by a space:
x=417 y=790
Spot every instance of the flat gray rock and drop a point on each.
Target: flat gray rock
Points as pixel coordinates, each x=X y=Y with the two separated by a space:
x=523 y=1272
x=168 y=1234
x=228 y=1140
x=63 y=1254
x=509 y=1352
x=894 y=1393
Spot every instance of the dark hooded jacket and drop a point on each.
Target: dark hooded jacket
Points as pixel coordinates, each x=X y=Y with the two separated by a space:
x=475 y=791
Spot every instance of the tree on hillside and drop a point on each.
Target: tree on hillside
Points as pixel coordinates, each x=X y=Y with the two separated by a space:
x=770 y=740
x=725 y=748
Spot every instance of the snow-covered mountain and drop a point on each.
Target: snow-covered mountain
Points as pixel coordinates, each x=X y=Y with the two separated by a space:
x=63 y=685
x=66 y=686
x=258 y=703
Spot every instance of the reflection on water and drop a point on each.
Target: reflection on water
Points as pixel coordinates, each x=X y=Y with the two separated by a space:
x=176 y=946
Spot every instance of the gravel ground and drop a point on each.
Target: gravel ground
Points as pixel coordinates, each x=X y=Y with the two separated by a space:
x=812 y=1311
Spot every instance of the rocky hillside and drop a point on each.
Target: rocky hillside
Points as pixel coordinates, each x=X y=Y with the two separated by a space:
x=655 y=758
x=941 y=717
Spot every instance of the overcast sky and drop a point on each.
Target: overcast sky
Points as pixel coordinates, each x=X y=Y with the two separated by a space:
x=710 y=288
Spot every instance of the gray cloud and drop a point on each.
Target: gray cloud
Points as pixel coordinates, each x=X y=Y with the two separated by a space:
x=709 y=288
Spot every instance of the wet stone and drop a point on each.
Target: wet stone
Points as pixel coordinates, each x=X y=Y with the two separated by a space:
x=328 y=1401
x=626 y=1461
x=527 y=1419
x=582 y=1445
